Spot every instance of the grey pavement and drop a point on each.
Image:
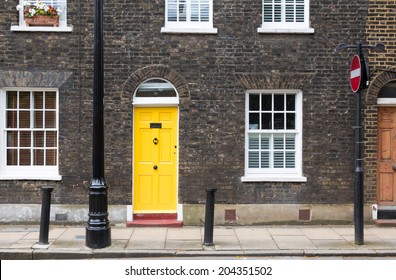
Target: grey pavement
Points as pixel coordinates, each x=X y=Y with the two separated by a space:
x=19 y=242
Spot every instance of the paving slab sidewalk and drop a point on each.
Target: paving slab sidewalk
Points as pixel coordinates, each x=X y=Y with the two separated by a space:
x=68 y=242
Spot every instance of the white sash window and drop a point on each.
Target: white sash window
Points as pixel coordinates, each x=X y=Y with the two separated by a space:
x=29 y=134
x=285 y=16
x=273 y=136
x=189 y=16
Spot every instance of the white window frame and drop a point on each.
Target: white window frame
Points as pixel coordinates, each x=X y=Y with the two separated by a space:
x=283 y=26
x=63 y=26
x=26 y=172
x=188 y=26
x=275 y=174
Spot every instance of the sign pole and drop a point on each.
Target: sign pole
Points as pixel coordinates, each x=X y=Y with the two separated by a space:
x=358 y=186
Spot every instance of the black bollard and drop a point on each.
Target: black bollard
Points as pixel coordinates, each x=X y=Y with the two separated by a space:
x=45 y=214
x=209 y=216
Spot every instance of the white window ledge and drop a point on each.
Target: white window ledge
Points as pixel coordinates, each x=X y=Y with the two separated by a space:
x=189 y=30
x=41 y=28
x=286 y=30
x=258 y=178
x=31 y=177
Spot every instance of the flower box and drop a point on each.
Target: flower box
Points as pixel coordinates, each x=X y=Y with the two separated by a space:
x=40 y=20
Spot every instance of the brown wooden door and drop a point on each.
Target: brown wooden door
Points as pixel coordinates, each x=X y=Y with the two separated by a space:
x=386 y=171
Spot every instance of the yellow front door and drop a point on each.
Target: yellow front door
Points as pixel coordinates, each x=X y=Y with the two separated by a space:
x=155 y=160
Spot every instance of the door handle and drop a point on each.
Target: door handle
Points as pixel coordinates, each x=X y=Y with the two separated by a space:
x=155 y=167
x=394 y=166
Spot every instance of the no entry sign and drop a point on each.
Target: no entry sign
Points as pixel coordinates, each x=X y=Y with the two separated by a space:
x=356 y=73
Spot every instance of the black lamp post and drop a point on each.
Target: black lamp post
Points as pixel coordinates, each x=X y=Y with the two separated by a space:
x=358 y=213
x=98 y=228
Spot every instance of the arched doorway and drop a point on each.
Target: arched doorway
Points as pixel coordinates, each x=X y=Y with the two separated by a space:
x=155 y=151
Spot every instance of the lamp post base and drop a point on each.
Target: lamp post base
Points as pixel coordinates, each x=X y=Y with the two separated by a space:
x=97 y=238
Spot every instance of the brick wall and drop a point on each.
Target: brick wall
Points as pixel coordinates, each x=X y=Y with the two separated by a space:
x=208 y=72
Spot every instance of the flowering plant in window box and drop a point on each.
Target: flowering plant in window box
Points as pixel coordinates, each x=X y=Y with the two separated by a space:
x=40 y=14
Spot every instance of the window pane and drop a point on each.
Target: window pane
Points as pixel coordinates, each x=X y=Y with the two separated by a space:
x=267 y=12
x=254 y=121
x=194 y=10
x=290 y=102
x=12 y=121
x=278 y=160
x=50 y=139
x=50 y=119
x=12 y=139
x=254 y=160
x=24 y=157
x=289 y=13
x=24 y=100
x=38 y=100
x=12 y=157
x=290 y=142
x=290 y=159
x=300 y=13
x=50 y=100
x=265 y=141
x=266 y=102
x=156 y=88
x=277 y=13
x=254 y=102
x=266 y=121
x=24 y=119
x=24 y=139
x=38 y=119
x=50 y=158
x=254 y=141
x=182 y=10
x=38 y=156
x=12 y=99
x=290 y=121
x=265 y=160
x=205 y=7
x=278 y=142
x=279 y=102
x=279 y=121
x=172 y=10
x=38 y=138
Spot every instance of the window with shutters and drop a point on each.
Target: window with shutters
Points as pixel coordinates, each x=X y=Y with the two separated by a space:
x=285 y=16
x=29 y=134
x=188 y=16
x=59 y=5
x=273 y=136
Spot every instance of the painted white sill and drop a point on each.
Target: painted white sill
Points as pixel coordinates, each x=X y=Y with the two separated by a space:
x=31 y=177
x=189 y=30
x=273 y=178
x=286 y=30
x=41 y=28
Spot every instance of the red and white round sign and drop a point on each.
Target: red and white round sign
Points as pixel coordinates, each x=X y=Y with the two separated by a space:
x=356 y=73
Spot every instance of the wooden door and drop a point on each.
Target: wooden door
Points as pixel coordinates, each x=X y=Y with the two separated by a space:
x=155 y=156
x=386 y=171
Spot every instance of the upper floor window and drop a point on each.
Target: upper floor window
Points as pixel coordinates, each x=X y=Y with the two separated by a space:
x=29 y=134
x=273 y=136
x=189 y=16
x=285 y=16
x=54 y=13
